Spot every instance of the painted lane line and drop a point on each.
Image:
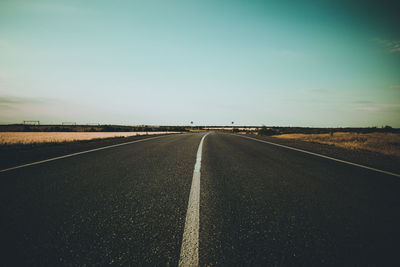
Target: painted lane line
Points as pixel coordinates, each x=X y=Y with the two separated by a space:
x=323 y=156
x=190 y=241
x=79 y=153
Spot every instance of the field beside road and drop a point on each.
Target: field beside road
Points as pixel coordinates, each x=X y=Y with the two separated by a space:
x=9 y=138
x=385 y=143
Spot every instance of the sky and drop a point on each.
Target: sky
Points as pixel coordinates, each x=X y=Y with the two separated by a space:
x=276 y=63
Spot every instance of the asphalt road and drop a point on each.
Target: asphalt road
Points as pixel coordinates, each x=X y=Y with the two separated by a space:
x=260 y=205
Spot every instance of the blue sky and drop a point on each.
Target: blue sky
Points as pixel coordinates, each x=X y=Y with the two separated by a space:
x=297 y=63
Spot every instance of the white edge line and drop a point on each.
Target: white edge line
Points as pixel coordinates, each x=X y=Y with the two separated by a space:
x=78 y=153
x=190 y=241
x=323 y=156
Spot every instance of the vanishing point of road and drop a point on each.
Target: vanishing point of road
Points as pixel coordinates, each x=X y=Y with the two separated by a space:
x=212 y=199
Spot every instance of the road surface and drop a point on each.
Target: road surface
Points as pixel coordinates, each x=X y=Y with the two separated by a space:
x=259 y=205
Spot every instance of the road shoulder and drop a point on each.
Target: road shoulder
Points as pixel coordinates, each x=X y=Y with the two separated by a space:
x=363 y=157
x=13 y=155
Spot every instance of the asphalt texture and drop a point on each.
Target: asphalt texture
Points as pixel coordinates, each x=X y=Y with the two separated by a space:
x=260 y=205
x=124 y=206
x=263 y=205
x=18 y=154
x=360 y=156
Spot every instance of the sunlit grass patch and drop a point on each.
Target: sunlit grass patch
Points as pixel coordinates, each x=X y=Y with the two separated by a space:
x=8 y=138
x=385 y=143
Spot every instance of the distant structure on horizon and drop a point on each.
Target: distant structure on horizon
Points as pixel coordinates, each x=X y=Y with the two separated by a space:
x=31 y=122
x=69 y=123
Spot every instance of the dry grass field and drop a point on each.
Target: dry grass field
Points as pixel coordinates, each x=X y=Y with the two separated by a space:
x=8 y=138
x=385 y=143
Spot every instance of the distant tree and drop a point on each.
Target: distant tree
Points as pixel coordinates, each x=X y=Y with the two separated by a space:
x=266 y=131
x=387 y=128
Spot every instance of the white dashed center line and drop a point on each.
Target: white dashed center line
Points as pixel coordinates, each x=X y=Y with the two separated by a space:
x=190 y=242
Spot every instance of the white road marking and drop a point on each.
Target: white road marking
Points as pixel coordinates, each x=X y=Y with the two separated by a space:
x=190 y=241
x=323 y=156
x=78 y=153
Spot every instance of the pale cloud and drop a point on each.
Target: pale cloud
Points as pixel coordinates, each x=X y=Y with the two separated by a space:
x=292 y=54
x=54 y=7
x=11 y=107
x=390 y=107
x=17 y=100
x=5 y=44
x=315 y=90
x=380 y=108
x=362 y=102
x=368 y=108
x=394 y=86
x=393 y=46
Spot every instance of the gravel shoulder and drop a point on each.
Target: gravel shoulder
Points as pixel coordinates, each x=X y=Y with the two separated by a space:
x=363 y=157
x=13 y=155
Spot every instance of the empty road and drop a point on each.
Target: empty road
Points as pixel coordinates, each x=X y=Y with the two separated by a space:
x=233 y=200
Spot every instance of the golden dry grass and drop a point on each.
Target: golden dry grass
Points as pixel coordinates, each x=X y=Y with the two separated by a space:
x=7 y=138
x=385 y=143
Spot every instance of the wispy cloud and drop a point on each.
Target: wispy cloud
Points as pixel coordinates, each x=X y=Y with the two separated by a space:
x=393 y=46
x=368 y=108
x=362 y=102
x=53 y=7
x=313 y=91
x=394 y=86
x=10 y=100
x=292 y=53
x=391 y=107
x=380 y=108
